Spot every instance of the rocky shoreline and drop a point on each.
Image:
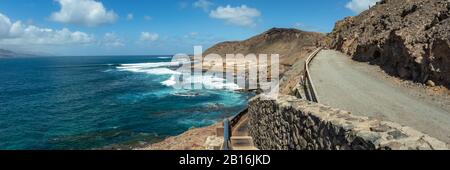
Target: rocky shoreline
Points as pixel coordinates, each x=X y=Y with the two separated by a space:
x=194 y=139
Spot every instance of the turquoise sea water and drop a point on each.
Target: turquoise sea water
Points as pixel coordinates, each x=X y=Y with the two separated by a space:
x=96 y=102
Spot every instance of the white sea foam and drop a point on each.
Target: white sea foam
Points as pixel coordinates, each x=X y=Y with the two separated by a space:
x=169 y=82
x=218 y=83
x=109 y=70
x=160 y=68
x=160 y=71
x=151 y=65
x=150 y=68
x=209 y=82
x=186 y=94
x=154 y=71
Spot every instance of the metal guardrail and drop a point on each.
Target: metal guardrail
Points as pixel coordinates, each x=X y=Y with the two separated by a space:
x=228 y=125
x=237 y=117
x=226 y=134
x=310 y=90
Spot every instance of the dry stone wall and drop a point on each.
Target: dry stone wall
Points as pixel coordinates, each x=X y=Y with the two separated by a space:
x=290 y=123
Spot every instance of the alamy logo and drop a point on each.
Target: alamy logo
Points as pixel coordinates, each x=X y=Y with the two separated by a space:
x=259 y=72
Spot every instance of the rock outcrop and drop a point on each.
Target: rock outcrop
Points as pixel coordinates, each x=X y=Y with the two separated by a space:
x=193 y=139
x=407 y=38
x=290 y=123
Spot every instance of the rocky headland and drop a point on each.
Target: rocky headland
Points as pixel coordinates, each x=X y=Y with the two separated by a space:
x=9 y=54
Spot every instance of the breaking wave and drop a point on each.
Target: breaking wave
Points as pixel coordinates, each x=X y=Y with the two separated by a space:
x=169 y=82
x=151 y=65
x=159 y=68
x=163 y=68
x=208 y=82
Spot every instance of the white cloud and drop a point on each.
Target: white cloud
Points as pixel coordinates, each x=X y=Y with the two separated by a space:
x=358 y=6
x=111 y=40
x=18 y=33
x=130 y=17
x=191 y=35
x=203 y=4
x=17 y=29
x=5 y=25
x=83 y=12
x=148 y=18
x=147 y=36
x=242 y=16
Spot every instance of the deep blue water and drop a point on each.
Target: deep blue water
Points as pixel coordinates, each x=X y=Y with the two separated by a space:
x=95 y=102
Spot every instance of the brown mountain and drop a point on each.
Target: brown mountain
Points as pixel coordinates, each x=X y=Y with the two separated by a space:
x=407 y=38
x=290 y=44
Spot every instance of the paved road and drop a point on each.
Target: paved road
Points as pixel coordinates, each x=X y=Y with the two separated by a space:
x=348 y=85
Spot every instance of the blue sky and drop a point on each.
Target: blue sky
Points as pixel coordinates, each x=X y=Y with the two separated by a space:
x=118 y=27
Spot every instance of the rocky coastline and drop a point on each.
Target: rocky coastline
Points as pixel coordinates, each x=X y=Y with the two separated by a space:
x=409 y=41
x=194 y=139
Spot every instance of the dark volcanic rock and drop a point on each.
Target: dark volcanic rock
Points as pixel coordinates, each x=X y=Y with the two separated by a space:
x=407 y=38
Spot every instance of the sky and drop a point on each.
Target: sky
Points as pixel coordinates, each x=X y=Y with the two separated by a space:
x=152 y=27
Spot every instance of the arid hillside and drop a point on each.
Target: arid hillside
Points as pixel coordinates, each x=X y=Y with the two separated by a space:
x=290 y=44
x=407 y=38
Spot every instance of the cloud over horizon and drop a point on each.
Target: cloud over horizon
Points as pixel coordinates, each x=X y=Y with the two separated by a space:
x=110 y=39
x=359 y=6
x=83 y=12
x=5 y=26
x=130 y=17
x=240 y=15
x=147 y=36
x=17 y=33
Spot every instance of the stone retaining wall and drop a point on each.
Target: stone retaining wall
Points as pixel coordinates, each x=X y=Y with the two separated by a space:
x=290 y=123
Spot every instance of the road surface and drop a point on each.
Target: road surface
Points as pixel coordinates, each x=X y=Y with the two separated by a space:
x=346 y=84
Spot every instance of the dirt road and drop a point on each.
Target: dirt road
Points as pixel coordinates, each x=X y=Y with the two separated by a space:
x=358 y=88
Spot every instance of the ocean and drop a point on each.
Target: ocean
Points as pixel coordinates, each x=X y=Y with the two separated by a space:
x=102 y=101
